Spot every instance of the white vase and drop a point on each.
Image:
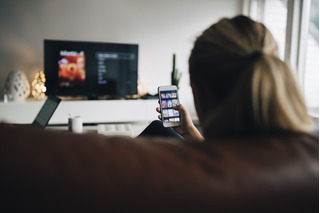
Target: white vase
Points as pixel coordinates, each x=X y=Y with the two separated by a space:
x=17 y=86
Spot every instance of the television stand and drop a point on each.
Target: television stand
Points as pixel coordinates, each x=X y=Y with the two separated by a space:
x=92 y=111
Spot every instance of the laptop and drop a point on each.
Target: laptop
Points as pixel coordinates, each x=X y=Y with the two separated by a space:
x=46 y=112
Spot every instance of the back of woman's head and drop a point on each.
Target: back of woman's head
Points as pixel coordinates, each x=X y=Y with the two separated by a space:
x=243 y=86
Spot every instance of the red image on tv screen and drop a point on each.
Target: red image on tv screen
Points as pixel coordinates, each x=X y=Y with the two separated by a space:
x=71 y=68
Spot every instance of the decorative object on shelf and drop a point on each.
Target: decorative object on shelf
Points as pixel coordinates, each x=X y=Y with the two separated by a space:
x=175 y=74
x=17 y=86
x=38 y=85
x=5 y=98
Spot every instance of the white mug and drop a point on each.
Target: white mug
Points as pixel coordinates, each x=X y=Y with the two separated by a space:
x=75 y=124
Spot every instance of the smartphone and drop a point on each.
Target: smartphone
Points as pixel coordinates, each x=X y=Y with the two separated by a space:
x=168 y=98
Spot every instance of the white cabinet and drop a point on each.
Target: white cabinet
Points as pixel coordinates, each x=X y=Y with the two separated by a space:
x=92 y=111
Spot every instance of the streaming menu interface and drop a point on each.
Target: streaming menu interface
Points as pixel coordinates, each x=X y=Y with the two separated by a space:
x=169 y=99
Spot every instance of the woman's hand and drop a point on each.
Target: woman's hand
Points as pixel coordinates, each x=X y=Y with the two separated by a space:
x=187 y=128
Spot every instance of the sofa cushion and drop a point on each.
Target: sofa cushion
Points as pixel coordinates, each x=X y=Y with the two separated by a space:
x=62 y=171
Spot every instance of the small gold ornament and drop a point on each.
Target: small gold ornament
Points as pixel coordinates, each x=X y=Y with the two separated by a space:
x=38 y=85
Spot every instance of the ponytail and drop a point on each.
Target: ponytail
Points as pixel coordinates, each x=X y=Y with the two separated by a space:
x=277 y=102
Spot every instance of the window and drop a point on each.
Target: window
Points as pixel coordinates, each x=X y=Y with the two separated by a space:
x=295 y=26
x=310 y=68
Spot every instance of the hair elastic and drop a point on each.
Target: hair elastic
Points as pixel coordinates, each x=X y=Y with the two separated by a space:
x=256 y=54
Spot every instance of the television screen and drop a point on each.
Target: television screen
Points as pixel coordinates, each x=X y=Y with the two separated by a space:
x=93 y=69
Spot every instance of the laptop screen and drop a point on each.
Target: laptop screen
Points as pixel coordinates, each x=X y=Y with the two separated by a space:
x=47 y=110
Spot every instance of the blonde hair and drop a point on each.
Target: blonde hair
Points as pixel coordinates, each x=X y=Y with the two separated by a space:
x=246 y=87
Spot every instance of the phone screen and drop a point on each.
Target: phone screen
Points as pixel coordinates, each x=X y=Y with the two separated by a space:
x=168 y=100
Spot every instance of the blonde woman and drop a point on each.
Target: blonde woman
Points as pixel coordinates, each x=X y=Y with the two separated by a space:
x=240 y=85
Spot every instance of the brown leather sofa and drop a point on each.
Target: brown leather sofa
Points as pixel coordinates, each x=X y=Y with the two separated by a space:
x=48 y=171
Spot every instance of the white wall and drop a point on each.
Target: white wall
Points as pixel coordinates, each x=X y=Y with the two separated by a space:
x=160 y=27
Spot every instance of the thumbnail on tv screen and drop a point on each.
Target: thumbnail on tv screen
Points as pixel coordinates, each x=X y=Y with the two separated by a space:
x=79 y=68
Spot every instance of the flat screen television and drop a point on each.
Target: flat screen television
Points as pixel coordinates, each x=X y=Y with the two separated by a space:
x=91 y=69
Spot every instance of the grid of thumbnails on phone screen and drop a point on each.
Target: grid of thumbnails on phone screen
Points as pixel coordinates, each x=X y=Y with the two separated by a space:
x=169 y=99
